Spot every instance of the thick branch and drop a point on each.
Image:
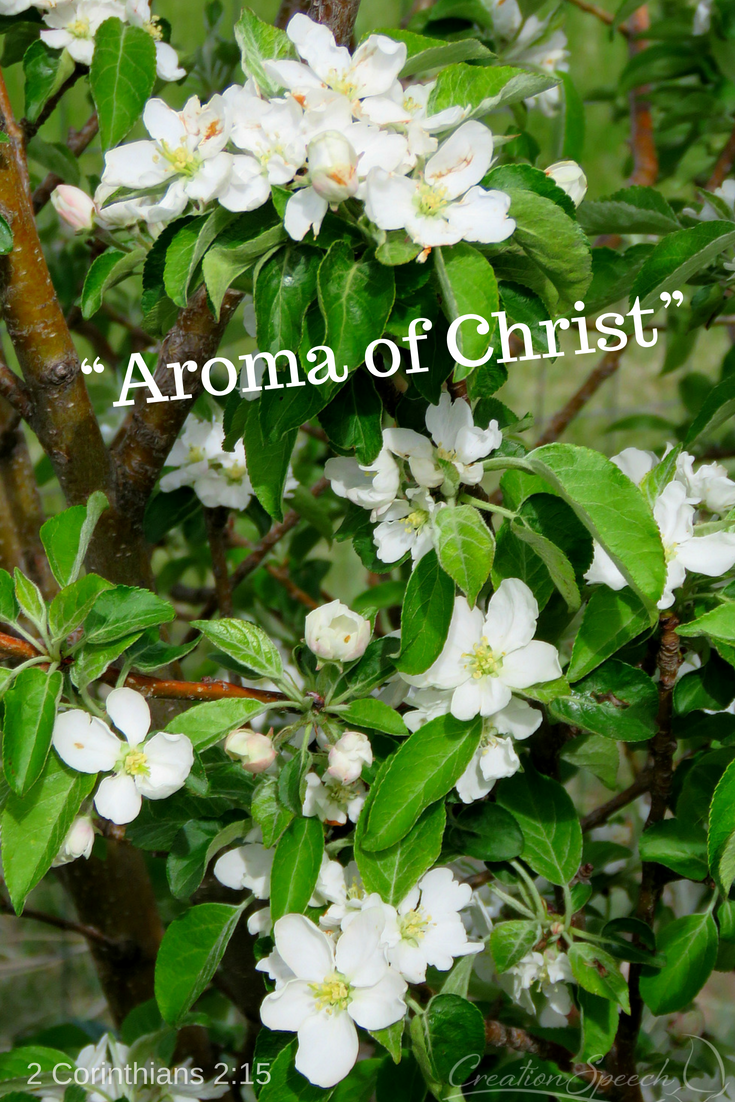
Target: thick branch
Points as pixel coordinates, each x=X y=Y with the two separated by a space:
x=216 y=521
x=338 y=15
x=558 y=424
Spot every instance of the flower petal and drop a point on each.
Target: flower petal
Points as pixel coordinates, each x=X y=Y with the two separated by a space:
x=328 y=1047
x=130 y=713
x=380 y=1005
x=169 y=759
x=118 y=799
x=288 y=1007
x=531 y=665
x=305 y=210
x=511 y=617
x=305 y=948
x=462 y=160
x=712 y=555
x=85 y=742
x=357 y=956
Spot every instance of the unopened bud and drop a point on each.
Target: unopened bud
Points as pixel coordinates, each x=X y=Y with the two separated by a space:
x=78 y=842
x=255 y=751
x=348 y=755
x=335 y=633
x=569 y=177
x=333 y=166
x=74 y=206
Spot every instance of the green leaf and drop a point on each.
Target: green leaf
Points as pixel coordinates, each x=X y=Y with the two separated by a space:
x=30 y=600
x=285 y=285
x=421 y=772
x=271 y=815
x=187 y=249
x=599 y=973
x=721 y=835
x=30 y=711
x=250 y=236
x=615 y=700
x=486 y=832
x=545 y=813
x=426 y=614
x=468 y=286
x=484 y=88
x=631 y=210
x=355 y=298
x=66 y=537
x=677 y=845
x=612 y=509
x=8 y=603
x=34 y=827
x=719 y=623
x=45 y=71
x=599 y=1025
x=246 y=643
x=373 y=714
x=526 y=178
x=268 y=462
x=120 y=611
x=313 y=511
x=558 y=565
x=689 y=945
x=206 y=724
x=92 y=660
x=189 y=955
x=121 y=77
x=106 y=271
x=600 y=756
x=259 y=42
x=718 y=407
x=353 y=419
x=510 y=941
x=296 y=864
x=286 y=1084
x=679 y=256
x=454 y=1031
x=193 y=848
x=611 y=619
x=392 y=872
x=465 y=548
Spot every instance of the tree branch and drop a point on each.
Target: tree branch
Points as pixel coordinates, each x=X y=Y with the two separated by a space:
x=30 y=129
x=216 y=521
x=14 y=391
x=645 y=157
x=558 y=424
x=77 y=142
x=88 y=932
x=338 y=15
x=723 y=163
x=601 y=814
x=281 y=575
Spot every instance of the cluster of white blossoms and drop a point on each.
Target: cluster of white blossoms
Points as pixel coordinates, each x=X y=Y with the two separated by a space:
x=399 y=496
x=676 y=511
x=154 y=767
x=343 y=127
x=547 y=974
x=353 y=968
x=533 y=42
x=485 y=659
x=71 y=25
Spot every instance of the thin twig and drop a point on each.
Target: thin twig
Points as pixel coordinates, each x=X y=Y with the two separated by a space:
x=281 y=575
x=88 y=932
x=607 y=366
x=30 y=129
x=643 y=146
x=723 y=163
x=601 y=814
x=14 y=391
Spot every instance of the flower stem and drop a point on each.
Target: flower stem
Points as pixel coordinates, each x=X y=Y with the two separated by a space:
x=488 y=506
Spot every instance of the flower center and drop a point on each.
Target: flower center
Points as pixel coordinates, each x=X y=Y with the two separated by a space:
x=135 y=763
x=449 y=455
x=482 y=661
x=79 y=28
x=431 y=200
x=236 y=472
x=196 y=454
x=413 y=926
x=340 y=82
x=334 y=993
x=182 y=160
x=154 y=28
x=416 y=520
x=355 y=892
x=410 y=104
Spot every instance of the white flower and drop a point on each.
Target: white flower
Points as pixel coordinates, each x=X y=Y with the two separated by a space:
x=635 y=463
x=260 y=923
x=496 y=757
x=247 y=866
x=254 y=750
x=156 y=768
x=549 y=972
x=426 y=929
x=458 y=441
x=78 y=842
x=74 y=206
x=348 y=755
x=186 y=154
x=407 y=526
x=371 y=71
x=485 y=658
x=348 y=896
x=407 y=109
x=702 y=17
x=217 y=477
x=333 y=989
x=335 y=633
x=138 y=14
x=712 y=555
x=332 y=166
x=430 y=209
x=333 y=801
x=569 y=176
x=428 y=704
x=535 y=47
x=709 y=485
x=74 y=25
x=373 y=487
x=190 y=454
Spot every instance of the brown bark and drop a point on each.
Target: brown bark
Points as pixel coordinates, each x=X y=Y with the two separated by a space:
x=338 y=15
x=643 y=146
x=20 y=506
x=559 y=423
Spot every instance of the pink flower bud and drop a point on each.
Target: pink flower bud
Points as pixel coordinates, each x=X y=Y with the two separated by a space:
x=255 y=751
x=348 y=755
x=74 y=206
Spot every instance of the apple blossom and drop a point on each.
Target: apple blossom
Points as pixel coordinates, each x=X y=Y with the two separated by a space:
x=348 y=755
x=138 y=13
x=78 y=842
x=709 y=485
x=426 y=929
x=373 y=486
x=248 y=866
x=335 y=633
x=445 y=205
x=218 y=478
x=74 y=206
x=333 y=801
x=333 y=989
x=155 y=768
x=486 y=657
x=73 y=25
x=496 y=756
x=570 y=178
x=253 y=750
x=550 y=971
x=407 y=526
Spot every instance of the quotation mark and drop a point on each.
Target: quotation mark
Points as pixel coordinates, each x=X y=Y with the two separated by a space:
x=98 y=367
x=666 y=298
